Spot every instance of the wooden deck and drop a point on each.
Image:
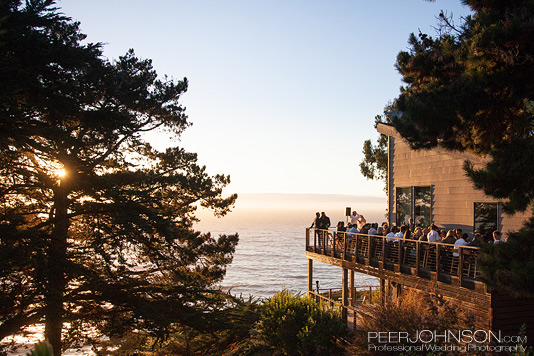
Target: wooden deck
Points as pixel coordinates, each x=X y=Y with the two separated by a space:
x=448 y=270
x=451 y=271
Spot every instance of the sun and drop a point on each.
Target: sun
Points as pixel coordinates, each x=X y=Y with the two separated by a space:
x=60 y=172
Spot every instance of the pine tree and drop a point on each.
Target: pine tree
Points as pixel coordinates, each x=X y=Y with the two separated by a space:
x=374 y=164
x=470 y=89
x=95 y=224
x=467 y=89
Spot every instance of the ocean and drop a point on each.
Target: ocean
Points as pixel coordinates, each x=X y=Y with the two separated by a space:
x=271 y=253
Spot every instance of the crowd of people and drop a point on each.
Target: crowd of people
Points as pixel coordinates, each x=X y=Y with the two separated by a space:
x=357 y=224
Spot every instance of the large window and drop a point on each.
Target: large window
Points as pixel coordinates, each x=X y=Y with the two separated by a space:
x=486 y=217
x=404 y=205
x=414 y=202
x=422 y=205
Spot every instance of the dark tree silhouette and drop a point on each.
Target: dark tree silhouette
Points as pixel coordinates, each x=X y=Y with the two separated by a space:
x=95 y=224
x=469 y=89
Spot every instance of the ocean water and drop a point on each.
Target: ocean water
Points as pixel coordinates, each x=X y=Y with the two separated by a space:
x=271 y=251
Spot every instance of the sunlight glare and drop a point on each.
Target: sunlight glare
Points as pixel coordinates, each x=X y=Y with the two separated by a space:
x=60 y=172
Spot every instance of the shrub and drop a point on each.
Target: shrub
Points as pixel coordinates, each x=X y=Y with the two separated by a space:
x=42 y=349
x=413 y=312
x=295 y=325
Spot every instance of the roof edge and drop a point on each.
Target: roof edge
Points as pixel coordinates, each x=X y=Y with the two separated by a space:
x=389 y=130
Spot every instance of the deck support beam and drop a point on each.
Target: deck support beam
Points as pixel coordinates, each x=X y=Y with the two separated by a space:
x=382 y=291
x=352 y=290
x=345 y=294
x=310 y=275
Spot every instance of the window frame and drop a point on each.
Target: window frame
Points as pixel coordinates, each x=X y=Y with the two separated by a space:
x=497 y=215
x=429 y=222
x=398 y=223
x=412 y=189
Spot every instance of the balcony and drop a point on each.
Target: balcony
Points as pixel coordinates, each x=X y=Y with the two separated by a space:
x=383 y=257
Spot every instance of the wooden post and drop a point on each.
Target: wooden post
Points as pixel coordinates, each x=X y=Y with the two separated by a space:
x=438 y=258
x=417 y=257
x=344 y=295
x=352 y=290
x=344 y=246
x=460 y=265
x=315 y=240
x=310 y=275
x=384 y=249
x=382 y=291
x=370 y=240
x=401 y=251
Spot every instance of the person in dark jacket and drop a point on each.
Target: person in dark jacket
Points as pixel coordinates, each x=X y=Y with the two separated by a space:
x=324 y=221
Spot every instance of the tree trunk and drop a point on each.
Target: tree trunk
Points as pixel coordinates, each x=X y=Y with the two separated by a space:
x=57 y=252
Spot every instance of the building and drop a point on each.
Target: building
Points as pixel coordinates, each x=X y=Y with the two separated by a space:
x=431 y=187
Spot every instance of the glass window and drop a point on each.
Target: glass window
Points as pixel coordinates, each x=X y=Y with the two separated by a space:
x=486 y=217
x=422 y=204
x=404 y=205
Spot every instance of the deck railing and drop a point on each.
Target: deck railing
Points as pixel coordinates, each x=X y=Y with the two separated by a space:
x=351 y=312
x=398 y=254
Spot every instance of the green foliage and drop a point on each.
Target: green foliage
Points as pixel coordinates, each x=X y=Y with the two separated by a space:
x=235 y=320
x=374 y=164
x=295 y=325
x=528 y=350
x=505 y=269
x=466 y=90
x=108 y=246
x=415 y=311
x=42 y=349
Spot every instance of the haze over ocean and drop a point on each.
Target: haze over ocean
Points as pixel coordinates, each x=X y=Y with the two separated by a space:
x=271 y=250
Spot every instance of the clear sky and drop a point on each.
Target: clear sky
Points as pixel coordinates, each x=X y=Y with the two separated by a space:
x=282 y=93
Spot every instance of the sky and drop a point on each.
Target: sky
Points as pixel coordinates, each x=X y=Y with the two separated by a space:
x=282 y=93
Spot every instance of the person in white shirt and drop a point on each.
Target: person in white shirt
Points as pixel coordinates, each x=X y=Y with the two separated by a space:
x=373 y=230
x=433 y=235
x=497 y=237
x=462 y=241
x=391 y=234
x=401 y=232
x=351 y=232
x=354 y=218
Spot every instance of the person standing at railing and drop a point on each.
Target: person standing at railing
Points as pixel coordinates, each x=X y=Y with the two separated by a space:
x=460 y=242
x=354 y=218
x=316 y=223
x=373 y=230
x=324 y=221
x=411 y=225
x=497 y=237
x=450 y=238
x=433 y=235
x=351 y=232
x=340 y=228
x=418 y=233
x=361 y=222
x=324 y=224
x=400 y=233
x=391 y=234
x=408 y=234
x=459 y=233
x=478 y=239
